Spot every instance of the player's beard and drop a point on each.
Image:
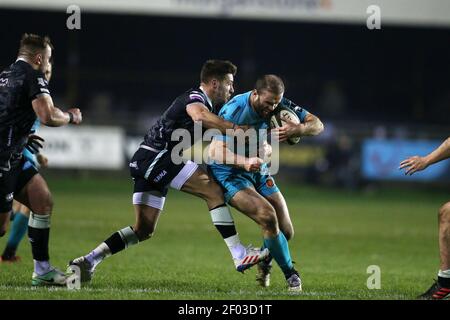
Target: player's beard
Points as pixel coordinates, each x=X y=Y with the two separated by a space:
x=260 y=109
x=43 y=68
x=222 y=99
x=217 y=107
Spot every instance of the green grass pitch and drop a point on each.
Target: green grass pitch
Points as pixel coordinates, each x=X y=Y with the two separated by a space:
x=338 y=235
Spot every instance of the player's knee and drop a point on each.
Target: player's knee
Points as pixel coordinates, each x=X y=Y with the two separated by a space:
x=288 y=233
x=144 y=236
x=45 y=206
x=144 y=232
x=267 y=217
x=444 y=213
x=49 y=205
x=213 y=192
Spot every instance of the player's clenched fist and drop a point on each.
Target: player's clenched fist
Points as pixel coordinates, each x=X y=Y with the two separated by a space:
x=75 y=116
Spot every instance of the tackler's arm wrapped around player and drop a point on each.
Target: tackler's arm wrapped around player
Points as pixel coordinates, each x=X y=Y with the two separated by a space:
x=220 y=153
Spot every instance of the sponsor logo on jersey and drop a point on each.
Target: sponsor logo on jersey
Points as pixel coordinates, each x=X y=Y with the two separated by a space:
x=9 y=197
x=3 y=82
x=42 y=82
x=160 y=176
x=134 y=165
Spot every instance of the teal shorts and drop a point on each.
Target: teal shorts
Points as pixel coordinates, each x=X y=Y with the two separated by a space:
x=233 y=181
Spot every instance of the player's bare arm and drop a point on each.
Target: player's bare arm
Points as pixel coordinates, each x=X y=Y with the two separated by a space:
x=52 y=116
x=219 y=152
x=417 y=163
x=200 y=113
x=312 y=126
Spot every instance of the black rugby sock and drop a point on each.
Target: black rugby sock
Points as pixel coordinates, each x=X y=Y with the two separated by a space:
x=39 y=234
x=121 y=240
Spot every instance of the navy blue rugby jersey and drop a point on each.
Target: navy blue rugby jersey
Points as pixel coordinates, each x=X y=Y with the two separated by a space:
x=175 y=117
x=20 y=84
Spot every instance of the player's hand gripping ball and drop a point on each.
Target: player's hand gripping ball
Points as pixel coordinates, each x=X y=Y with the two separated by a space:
x=280 y=117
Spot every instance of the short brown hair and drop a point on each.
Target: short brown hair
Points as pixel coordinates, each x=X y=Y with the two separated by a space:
x=216 y=69
x=32 y=44
x=271 y=83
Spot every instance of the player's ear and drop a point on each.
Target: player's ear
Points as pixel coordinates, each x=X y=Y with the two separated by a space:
x=215 y=83
x=38 y=59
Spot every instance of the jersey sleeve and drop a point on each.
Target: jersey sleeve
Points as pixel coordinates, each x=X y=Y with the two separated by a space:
x=230 y=112
x=37 y=84
x=36 y=125
x=301 y=112
x=197 y=97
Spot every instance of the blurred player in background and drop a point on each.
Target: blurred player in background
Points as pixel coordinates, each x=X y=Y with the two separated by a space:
x=441 y=287
x=21 y=213
x=254 y=193
x=153 y=170
x=25 y=97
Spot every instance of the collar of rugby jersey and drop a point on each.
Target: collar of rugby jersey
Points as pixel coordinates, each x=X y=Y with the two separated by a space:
x=22 y=59
x=209 y=100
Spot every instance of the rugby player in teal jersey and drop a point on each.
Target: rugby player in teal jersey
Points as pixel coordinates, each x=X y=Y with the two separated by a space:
x=255 y=193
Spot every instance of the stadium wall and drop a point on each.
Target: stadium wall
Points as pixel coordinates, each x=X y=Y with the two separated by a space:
x=336 y=160
x=404 y=12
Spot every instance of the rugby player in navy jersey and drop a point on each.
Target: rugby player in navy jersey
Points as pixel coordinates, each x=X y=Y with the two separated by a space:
x=24 y=97
x=21 y=213
x=154 y=170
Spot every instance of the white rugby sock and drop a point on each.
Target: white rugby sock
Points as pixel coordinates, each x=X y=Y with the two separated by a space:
x=223 y=221
x=117 y=242
x=98 y=254
x=444 y=274
x=42 y=267
x=235 y=246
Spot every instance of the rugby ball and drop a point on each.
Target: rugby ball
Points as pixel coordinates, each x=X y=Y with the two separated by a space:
x=282 y=115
